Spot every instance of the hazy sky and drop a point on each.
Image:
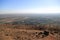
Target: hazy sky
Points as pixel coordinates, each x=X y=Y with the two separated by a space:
x=29 y=6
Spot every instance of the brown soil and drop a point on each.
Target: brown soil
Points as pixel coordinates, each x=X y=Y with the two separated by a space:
x=25 y=34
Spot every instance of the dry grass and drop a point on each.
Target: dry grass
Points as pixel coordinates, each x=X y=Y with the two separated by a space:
x=12 y=33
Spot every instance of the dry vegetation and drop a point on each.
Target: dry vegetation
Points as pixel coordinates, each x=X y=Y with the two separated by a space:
x=28 y=32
